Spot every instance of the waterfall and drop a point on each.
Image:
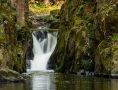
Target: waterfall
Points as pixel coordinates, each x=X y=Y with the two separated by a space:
x=43 y=46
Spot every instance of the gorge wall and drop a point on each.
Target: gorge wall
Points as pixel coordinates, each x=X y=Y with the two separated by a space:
x=88 y=37
x=13 y=35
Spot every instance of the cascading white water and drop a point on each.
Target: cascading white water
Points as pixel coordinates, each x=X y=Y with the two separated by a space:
x=43 y=47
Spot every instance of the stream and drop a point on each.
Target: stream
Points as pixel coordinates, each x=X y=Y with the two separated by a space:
x=56 y=81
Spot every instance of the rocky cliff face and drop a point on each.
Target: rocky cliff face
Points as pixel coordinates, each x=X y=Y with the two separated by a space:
x=13 y=38
x=88 y=37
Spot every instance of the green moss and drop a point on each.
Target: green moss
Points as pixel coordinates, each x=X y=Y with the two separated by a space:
x=43 y=9
x=80 y=11
x=103 y=44
x=104 y=57
x=87 y=0
x=0 y=62
x=114 y=37
x=13 y=38
x=114 y=48
x=87 y=64
x=2 y=34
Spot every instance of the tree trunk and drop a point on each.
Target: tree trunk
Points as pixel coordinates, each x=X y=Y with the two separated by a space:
x=21 y=11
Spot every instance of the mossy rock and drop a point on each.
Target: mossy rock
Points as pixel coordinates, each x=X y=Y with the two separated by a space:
x=55 y=24
x=55 y=13
x=87 y=33
x=8 y=75
x=106 y=59
x=114 y=66
x=103 y=58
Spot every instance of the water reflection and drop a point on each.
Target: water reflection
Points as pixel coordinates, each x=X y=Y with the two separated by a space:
x=42 y=82
x=72 y=82
x=53 y=81
x=12 y=86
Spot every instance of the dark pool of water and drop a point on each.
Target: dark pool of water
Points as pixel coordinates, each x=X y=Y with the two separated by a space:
x=53 y=81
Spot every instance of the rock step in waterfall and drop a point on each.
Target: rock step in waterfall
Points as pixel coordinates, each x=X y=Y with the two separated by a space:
x=44 y=44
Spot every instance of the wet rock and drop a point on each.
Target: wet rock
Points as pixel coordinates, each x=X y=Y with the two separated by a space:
x=8 y=75
x=85 y=73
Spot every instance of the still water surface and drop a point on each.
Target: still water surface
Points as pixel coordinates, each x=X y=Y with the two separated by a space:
x=54 y=81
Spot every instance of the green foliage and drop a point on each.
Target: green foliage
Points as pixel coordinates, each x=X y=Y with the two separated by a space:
x=18 y=26
x=1 y=19
x=90 y=19
x=87 y=64
x=4 y=1
x=1 y=28
x=90 y=30
x=87 y=0
x=81 y=10
x=115 y=37
x=0 y=62
x=42 y=9
x=2 y=34
x=114 y=48
x=94 y=9
x=44 y=18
